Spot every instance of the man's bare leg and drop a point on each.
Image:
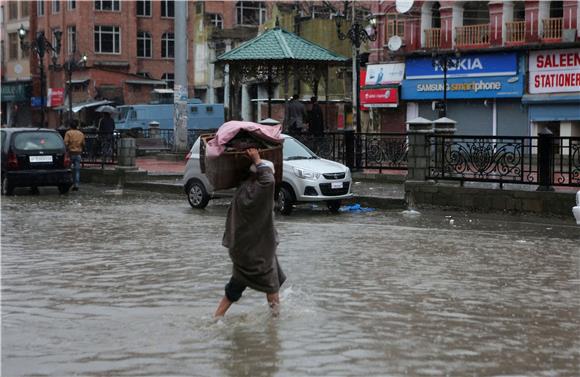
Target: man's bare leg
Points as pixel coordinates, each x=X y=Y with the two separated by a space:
x=274 y=302
x=222 y=308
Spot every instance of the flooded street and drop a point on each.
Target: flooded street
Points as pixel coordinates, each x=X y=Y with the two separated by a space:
x=110 y=283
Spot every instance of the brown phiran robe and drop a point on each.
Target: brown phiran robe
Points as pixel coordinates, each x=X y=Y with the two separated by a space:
x=250 y=235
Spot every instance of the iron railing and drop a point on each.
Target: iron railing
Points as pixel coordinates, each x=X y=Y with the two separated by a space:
x=100 y=149
x=543 y=160
x=376 y=151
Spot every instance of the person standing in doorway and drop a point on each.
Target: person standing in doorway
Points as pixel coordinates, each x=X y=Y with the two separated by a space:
x=295 y=114
x=252 y=239
x=74 y=141
x=315 y=119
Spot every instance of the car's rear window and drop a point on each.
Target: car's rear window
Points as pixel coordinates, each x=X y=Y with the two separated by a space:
x=37 y=141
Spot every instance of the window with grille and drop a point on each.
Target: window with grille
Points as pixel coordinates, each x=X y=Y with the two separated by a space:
x=167 y=8
x=144 y=45
x=395 y=26
x=71 y=39
x=169 y=80
x=250 y=12
x=108 y=5
x=107 y=40
x=144 y=8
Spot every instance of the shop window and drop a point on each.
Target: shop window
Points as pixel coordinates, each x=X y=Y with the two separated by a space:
x=250 y=12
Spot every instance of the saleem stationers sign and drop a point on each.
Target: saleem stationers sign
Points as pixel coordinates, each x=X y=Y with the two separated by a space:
x=554 y=71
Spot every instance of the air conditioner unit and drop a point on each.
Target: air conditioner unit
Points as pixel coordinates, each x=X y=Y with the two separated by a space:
x=568 y=35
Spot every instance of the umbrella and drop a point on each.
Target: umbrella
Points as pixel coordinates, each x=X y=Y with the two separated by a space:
x=106 y=109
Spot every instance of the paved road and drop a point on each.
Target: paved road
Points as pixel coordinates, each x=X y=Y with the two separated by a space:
x=121 y=283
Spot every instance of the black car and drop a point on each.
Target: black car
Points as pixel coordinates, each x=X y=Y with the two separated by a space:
x=34 y=157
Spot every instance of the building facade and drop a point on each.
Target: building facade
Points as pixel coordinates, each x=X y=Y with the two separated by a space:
x=513 y=65
x=15 y=68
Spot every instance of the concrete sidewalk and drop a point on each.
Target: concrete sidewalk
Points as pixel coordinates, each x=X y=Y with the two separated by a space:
x=372 y=190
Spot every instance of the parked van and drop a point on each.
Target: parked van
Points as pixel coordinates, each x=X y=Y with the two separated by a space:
x=200 y=116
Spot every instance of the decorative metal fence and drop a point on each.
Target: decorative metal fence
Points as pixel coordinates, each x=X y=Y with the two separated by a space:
x=543 y=160
x=377 y=151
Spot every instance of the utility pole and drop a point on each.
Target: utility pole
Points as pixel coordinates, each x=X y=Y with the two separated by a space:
x=180 y=92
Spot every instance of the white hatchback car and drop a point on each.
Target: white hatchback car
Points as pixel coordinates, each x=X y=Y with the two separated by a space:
x=306 y=178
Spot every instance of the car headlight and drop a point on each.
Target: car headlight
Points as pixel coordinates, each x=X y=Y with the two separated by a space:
x=306 y=174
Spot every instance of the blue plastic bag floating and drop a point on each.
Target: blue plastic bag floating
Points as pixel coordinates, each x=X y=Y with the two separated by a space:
x=355 y=208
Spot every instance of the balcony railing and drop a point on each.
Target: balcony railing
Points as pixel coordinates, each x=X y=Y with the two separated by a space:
x=552 y=28
x=433 y=38
x=515 y=31
x=472 y=35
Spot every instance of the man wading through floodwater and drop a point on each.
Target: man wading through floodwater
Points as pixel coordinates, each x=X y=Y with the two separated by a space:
x=251 y=238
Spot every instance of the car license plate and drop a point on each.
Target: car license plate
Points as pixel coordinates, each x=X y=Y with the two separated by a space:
x=40 y=158
x=336 y=185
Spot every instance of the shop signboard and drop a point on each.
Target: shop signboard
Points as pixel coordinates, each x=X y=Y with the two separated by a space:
x=55 y=97
x=16 y=92
x=381 y=97
x=476 y=76
x=469 y=65
x=384 y=74
x=554 y=71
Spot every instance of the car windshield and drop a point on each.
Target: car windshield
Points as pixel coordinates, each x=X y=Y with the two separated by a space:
x=294 y=150
x=121 y=113
x=37 y=141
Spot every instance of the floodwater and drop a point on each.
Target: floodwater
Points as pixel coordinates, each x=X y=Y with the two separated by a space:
x=110 y=283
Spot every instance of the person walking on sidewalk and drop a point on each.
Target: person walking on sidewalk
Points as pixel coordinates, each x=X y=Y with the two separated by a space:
x=74 y=140
x=295 y=115
x=251 y=238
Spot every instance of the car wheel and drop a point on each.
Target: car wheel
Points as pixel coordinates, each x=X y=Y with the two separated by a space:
x=197 y=195
x=63 y=189
x=333 y=205
x=7 y=188
x=285 y=201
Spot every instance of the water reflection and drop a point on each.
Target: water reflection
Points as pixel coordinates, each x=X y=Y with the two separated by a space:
x=95 y=284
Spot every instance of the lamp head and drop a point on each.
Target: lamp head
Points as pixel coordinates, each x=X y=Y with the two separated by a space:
x=22 y=32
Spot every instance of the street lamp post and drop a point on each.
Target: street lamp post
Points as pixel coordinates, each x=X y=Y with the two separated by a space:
x=69 y=66
x=40 y=45
x=444 y=62
x=357 y=36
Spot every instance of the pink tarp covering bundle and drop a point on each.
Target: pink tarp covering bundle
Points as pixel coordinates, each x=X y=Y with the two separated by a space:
x=216 y=146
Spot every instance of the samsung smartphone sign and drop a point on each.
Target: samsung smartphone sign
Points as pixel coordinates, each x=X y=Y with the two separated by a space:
x=472 y=76
x=554 y=71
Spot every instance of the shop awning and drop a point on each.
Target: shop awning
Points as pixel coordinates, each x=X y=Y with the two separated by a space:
x=79 y=81
x=82 y=105
x=551 y=98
